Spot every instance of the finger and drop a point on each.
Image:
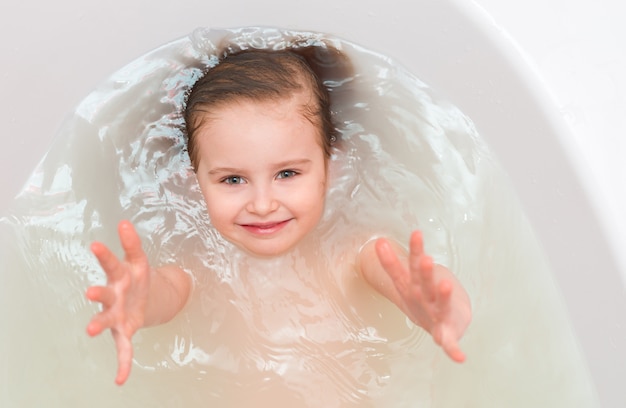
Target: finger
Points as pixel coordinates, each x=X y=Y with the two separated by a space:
x=416 y=243
x=444 y=297
x=99 y=323
x=102 y=295
x=94 y=328
x=108 y=261
x=124 y=357
x=453 y=350
x=424 y=276
x=131 y=243
x=392 y=265
x=418 y=260
x=422 y=267
x=449 y=344
x=444 y=290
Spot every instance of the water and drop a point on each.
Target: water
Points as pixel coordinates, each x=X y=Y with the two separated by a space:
x=303 y=329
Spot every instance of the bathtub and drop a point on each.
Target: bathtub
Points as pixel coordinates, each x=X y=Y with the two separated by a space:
x=551 y=114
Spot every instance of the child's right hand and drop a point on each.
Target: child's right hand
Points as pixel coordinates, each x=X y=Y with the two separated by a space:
x=124 y=298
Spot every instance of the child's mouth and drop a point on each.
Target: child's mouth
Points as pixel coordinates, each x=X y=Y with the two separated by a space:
x=265 y=228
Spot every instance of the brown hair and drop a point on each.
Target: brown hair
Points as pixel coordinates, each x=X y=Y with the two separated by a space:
x=265 y=75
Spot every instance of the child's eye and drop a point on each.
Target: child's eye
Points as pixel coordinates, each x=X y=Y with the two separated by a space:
x=286 y=174
x=233 y=180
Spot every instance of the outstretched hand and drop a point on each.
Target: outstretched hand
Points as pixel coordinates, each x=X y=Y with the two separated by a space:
x=124 y=297
x=429 y=294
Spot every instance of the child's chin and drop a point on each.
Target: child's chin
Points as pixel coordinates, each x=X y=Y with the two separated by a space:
x=268 y=251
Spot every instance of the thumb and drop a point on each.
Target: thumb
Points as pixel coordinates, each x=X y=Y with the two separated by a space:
x=124 y=356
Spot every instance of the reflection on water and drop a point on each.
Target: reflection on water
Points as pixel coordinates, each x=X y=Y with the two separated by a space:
x=303 y=329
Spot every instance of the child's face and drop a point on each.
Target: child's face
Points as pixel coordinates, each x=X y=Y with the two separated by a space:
x=262 y=173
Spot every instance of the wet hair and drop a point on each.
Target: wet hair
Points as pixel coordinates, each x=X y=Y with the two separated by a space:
x=261 y=75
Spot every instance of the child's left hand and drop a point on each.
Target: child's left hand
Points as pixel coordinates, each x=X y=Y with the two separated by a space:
x=429 y=294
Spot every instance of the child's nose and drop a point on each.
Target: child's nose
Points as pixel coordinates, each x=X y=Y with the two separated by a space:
x=263 y=201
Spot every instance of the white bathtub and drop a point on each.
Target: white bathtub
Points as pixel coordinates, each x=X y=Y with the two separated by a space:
x=550 y=102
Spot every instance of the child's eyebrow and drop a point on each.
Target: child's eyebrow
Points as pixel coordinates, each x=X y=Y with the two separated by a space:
x=220 y=170
x=292 y=163
x=281 y=165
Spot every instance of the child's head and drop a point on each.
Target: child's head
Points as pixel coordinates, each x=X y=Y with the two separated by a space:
x=259 y=137
x=259 y=75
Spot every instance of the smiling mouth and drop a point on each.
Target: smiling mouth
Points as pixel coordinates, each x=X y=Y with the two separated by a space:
x=264 y=229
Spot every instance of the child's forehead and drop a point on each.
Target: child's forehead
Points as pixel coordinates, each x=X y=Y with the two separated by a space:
x=296 y=102
x=245 y=116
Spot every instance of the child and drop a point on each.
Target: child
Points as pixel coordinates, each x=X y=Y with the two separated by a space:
x=259 y=137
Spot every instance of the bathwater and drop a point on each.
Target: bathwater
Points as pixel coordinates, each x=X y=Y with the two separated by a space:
x=301 y=330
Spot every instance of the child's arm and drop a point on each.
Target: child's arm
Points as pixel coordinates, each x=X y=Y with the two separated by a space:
x=135 y=295
x=429 y=294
